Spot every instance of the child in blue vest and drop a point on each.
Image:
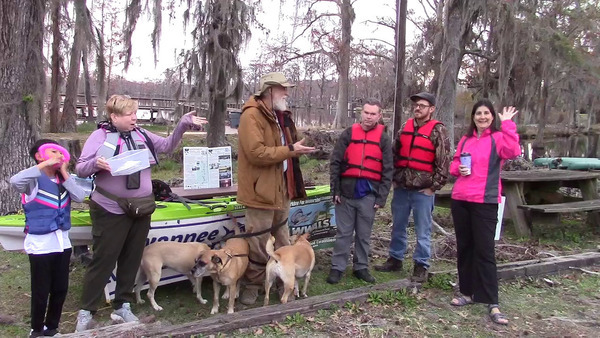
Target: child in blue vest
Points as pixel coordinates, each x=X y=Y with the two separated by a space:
x=47 y=190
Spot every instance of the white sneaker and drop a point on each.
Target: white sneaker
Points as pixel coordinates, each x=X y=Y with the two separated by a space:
x=124 y=314
x=84 y=319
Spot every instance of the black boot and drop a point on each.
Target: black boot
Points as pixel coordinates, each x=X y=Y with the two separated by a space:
x=334 y=276
x=364 y=275
x=392 y=264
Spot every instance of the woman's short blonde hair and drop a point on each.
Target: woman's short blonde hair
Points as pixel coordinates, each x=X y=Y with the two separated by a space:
x=120 y=105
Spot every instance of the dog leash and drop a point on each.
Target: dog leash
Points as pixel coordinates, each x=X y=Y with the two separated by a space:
x=253 y=234
x=186 y=201
x=230 y=257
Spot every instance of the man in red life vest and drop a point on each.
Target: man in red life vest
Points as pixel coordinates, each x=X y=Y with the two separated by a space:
x=421 y=161
x=361 y=175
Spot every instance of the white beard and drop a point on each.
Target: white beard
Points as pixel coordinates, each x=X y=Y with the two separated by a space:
x=280 y=104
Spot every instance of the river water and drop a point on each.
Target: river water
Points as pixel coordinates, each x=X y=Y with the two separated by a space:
x=572 y=146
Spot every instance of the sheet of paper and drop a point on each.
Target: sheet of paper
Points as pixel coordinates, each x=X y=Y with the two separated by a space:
x=207 y=167
x=500 y=216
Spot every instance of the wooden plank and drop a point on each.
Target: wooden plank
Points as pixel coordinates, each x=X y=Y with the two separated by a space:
x=546 y=175
x=579 y=206
x=539 y=267
x=246 y=318
x=514 y=198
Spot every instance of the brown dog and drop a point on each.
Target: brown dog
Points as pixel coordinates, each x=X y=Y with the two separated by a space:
x=180 y=257
x=288 y=263
x=226 y=266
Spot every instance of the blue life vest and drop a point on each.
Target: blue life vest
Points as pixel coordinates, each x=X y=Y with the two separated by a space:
x=50 y=210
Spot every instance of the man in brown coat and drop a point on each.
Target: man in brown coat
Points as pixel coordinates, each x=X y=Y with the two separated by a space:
x=267 y=175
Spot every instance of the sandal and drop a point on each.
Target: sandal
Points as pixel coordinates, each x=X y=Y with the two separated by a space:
x=461 y=301
x=498 y=317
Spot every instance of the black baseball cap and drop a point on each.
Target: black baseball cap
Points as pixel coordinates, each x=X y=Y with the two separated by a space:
x=424 y=96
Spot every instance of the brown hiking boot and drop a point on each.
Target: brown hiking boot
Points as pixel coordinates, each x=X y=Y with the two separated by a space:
x=419 y=274
x=392 y=264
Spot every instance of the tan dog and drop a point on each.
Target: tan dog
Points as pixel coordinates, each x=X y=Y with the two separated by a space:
x=226 y=266
x=288 y=263
x=180 y=257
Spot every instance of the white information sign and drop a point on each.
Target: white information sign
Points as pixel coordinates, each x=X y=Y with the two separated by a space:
x=207 y=167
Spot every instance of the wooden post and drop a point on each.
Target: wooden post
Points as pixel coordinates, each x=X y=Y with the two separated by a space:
x=514 y=198
x=589 y=192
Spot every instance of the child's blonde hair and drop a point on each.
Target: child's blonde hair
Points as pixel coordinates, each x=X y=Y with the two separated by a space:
x=120 y=104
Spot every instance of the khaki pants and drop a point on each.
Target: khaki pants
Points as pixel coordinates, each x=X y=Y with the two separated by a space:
x=258 y=220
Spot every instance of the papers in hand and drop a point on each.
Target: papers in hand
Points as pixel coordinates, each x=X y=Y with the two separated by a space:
x=129 y=162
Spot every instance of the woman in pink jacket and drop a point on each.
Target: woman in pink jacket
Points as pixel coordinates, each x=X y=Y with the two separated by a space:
x=475 y=198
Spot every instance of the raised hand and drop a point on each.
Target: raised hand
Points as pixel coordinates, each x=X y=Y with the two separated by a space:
x=56 y=159
x=507 y=113
x=300 y=148
x=197 y=121
x=63 y=170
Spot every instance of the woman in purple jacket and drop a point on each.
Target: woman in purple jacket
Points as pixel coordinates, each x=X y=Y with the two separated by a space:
x=475 y=198
x=117 y=237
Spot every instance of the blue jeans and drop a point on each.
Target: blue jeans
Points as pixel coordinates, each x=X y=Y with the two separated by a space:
x=422 y=207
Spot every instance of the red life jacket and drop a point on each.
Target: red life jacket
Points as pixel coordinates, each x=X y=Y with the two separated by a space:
x=363 y=157
x=416 y=148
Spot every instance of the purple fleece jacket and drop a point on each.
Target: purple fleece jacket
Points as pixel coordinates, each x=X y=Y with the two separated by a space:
x=86 y=166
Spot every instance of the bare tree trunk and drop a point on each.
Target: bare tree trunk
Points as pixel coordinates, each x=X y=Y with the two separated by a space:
x=88 y=90
x=100 y=81
x=538 y=144
x=347 y=14
x=101 y=71
x=459 y=19
x=215 y=137
x=438 y=45
x=508 y=52
x=57 y=78
x=401 y=9
x=22 y=82
x=69 y=115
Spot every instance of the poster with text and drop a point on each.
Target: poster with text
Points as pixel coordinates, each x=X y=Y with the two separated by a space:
x=207 y=167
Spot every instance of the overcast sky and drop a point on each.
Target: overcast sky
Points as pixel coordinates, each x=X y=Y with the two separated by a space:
x=173 y=38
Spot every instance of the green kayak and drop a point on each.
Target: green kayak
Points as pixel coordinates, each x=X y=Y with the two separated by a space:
x=570 y=163
x=207 y=222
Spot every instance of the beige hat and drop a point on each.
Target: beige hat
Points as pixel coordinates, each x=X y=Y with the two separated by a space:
x=271 y=79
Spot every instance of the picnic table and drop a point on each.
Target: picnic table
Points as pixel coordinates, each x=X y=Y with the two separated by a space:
x=517 y=184
x=526 y=191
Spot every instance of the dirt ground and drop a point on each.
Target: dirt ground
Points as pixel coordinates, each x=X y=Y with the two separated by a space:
x=552 y=306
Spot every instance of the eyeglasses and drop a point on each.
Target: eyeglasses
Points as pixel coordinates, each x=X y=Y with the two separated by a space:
x=420 y=106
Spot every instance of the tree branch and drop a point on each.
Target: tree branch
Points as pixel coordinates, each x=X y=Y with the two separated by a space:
x=382 y=23
x=416 y=24
x=302 y=55
x=309 y=25
x=382 y=41
x=478 y=53
x=370 y=53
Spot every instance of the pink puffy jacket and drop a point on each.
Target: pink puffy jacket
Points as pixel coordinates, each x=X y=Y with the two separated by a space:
x=488 y=152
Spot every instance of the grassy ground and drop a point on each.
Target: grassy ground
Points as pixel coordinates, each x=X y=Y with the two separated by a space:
x=567 y=305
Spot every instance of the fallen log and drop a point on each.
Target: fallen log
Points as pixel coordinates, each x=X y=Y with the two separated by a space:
x=539 y=267
x=246 y=318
